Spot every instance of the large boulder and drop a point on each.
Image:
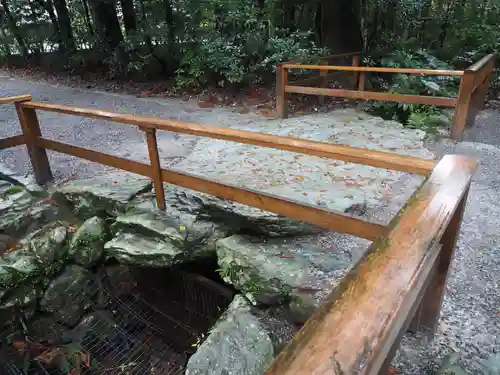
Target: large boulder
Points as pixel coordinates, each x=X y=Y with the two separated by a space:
x=69 y=295
x=140 y=250
x=87 y=244
x=104 y=195
x=48 y=244
x=279 y=270
x=21 y=212
x=237 y=344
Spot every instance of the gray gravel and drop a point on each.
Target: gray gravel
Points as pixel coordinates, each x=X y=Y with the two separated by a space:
x=120 y=140
x=470 y=323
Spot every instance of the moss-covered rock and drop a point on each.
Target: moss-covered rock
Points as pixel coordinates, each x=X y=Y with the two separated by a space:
x=281 y=270
x=237 y=344
x=68 y=295
x=105 y=195
x=87 y=244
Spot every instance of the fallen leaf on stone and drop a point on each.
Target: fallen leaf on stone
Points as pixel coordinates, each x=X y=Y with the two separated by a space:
x=49 y=356
x=20 y=345
x=393 y=371
x=299 y=178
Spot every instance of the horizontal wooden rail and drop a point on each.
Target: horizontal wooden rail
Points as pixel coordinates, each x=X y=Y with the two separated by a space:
x=15 y=99
x=293 y=209
x=432 y=72
x=14 y=141
x=354 y=330
x=349 y=154
x=370 y=95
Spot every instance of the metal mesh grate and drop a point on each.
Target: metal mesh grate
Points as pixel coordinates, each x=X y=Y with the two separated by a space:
x=150 y=329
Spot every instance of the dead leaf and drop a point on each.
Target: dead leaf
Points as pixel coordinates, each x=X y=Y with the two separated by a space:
x=206 y=105
x=393 y=371
x=72 y=228
x=20 y=345
x=85 y=358
x=49 y=356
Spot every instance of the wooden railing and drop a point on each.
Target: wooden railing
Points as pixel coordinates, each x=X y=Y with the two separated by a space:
x=471 y=96
x=399 y=281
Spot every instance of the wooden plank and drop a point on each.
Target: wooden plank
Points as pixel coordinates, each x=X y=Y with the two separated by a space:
x=372 y=158
x=481 y=63
x=463 y=105
x=14 y=141
x=299 y=211
x=285 y=207
x=428 y=315
x=483 y=74
x=428 y=271
x=31 y=131
x=156 y=166
x=369 y=95
x=428 y=72
x=351 y=332
x=15 y=99
x=281 y=95
x=97 y=157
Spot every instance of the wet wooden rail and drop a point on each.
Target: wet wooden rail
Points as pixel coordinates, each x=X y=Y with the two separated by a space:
x=471 y=97
x=398 y=284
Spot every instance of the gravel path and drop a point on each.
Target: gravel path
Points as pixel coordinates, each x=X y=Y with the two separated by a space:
x=120 y=140
x=470 y=323
x=470 y=320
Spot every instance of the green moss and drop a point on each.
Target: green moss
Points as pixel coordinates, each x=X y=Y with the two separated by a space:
x=14 y=190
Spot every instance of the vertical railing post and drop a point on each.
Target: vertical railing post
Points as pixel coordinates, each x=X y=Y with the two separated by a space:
x=323 y=81
x=427 y=315
x=281 y=94
x=154 y=157
x=38 y=155
x=356 y=61
x=463 y=105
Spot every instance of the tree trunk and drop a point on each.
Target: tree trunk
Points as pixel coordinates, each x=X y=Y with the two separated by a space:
x=341 y=26
x=144 y=24
x=65 y=30
x=49 y=8
x=11 y=23
x=106 y=24
x=169 y=19
x=86 y=16
x=129 y=20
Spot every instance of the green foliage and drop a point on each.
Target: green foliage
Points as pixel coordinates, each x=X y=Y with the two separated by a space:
x=235 y=43
x=423 y=117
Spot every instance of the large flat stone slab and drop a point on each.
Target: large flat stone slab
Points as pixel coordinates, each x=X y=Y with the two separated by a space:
x=325 y=183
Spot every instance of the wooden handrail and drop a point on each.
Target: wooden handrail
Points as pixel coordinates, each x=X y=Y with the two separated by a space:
x=377 y=69
x=481 y=63
x=353 y=331
x=372 y=158
x=371 y=95
x=296 y=210
x=15 y=99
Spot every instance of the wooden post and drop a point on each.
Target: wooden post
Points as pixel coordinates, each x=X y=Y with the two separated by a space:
x=463 y=105
x=356 y=61
x=427 y=315
x=323 y=81
x=156 y=168
x=38 y=155
x=477 y=101
x=281 y=95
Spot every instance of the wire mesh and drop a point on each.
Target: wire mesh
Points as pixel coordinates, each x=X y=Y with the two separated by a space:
x=150 y=329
